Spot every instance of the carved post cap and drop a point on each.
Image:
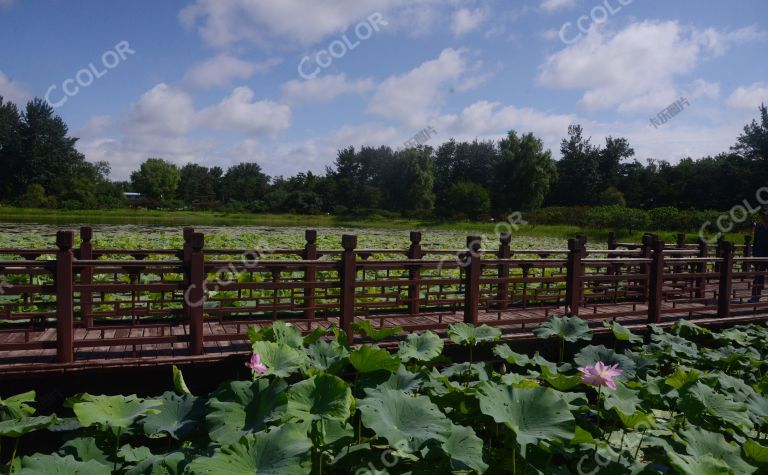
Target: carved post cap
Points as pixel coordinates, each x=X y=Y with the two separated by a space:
x=86 y=233
x=349 y=242
x=310 y=235
x=65 y=240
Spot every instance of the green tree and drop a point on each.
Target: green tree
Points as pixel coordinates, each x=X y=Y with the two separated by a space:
x=466 y=200
x=199 y=186
x=578 y=175
x=523 y=175
x=417 y=197
x=157 y=180
x=245 y=183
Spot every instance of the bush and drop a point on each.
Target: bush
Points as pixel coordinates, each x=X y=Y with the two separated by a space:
x=35 y=197
x=611 y=196
x=667 y=218
x=556 y=215
x=617 y=217
x=466 y=200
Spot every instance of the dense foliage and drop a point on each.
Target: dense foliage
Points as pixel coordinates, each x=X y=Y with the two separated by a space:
x=40 y=167
x=687 y=401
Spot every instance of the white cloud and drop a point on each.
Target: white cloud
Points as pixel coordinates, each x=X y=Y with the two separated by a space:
x=161 y=111
x=96 y=127
x=466 y=20
x=414 y=97
x=636 y=68
x=554 y=5
x=702 y=88
x=324 y=88
x=14 y=91
x=221 y=70
x=238 y=112
x=749 y=97
x=257 y=21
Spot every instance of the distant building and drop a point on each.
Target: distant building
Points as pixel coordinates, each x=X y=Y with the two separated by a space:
x=132 y=197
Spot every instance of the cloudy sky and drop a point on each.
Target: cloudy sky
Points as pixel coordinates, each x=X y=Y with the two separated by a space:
x=288 y=82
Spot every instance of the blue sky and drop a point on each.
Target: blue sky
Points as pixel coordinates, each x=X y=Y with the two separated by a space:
x=219 y=82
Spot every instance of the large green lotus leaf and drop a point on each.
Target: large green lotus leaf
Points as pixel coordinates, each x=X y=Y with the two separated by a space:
x=283 y=451
x=757 y=409
x=327 y=356
x=735 y=387
x=403 y=420
x=366 y=328
x=534 y=415
x=686 y=329
x=402 y=380
x=279 y=332
x=134 y=454
x=281 y=360
x=421 y=347
x=321 y=397
x=622 y=333
x=701 y=400
x=681 y=378
x=589 y=355
x=17 y=427
x=623 y=399
x=88 y=448
x=16 y=407
x=559 y=381
x=117 y=412
x=638 y=420
x=288 y=334
x=756 y=453
x=673 y=345
x=566 y=328
x=708 y=452
x=466 y=334
x=238 y=408
x=368 y=359
x=505 y=352
x=171 y=463
x=465 y=450
x=39 y=464
x=181 y=417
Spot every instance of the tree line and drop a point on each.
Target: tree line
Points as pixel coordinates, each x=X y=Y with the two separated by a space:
x=40 y=167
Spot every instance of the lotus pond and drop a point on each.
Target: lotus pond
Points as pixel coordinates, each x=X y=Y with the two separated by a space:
x=684 y=400
x=130 y=236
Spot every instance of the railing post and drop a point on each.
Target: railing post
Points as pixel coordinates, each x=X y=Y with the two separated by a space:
x=472 y=271
x=680 y=241
x=573 y=278
x=194 y=300
x=65 y=331
x=414 y=274
x=310 y=272
x=348 y=276
x=656 y=282
x=86 y=275
x=504 y=253
x=725 y=250
x=701 y=268
x=612 y=243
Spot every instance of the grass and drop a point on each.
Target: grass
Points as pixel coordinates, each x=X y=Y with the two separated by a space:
x=214 y=218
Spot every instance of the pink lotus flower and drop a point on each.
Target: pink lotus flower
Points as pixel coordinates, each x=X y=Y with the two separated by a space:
x=256 y=365
x=601 y=375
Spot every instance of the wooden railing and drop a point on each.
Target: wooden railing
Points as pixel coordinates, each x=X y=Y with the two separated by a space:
x=119 y=292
